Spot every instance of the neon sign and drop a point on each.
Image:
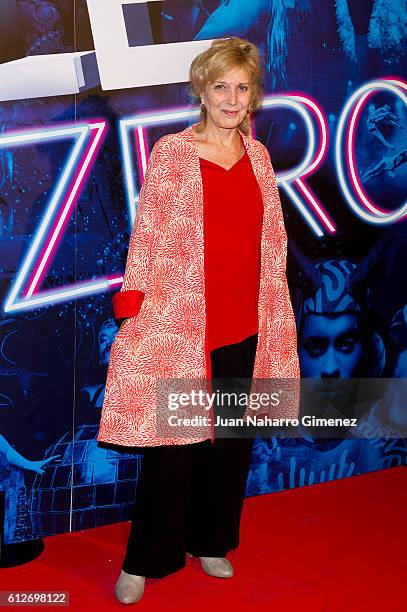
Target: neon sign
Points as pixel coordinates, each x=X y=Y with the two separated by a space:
x=87 y=138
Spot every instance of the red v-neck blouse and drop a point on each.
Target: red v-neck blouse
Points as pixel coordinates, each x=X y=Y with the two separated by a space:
x=233 y=217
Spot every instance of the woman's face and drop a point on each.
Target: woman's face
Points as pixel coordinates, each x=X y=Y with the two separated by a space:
x=330 y=347
x=228 y=99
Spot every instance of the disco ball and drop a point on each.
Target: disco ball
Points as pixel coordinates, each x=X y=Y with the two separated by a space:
x=86 y=486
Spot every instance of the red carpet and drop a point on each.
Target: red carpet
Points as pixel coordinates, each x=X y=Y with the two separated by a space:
x=332 y=547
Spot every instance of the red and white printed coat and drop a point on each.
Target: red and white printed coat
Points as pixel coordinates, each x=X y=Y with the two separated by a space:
x=163 y=294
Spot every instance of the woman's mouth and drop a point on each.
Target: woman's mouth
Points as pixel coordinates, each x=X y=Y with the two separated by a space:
x=231 y=113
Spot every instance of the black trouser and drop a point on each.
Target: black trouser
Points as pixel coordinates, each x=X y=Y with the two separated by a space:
x=190 y=497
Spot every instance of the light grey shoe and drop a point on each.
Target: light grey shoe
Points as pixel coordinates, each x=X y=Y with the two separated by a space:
x=220 y=567
x=129 y=588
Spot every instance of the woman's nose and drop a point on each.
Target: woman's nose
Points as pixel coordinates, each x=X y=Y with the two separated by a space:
x=232 y=96
x=331 y=366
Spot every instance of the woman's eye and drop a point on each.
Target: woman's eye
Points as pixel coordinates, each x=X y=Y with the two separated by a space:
x=314 y=349
x=347 y=345
x=218 y=86
x=244 y=87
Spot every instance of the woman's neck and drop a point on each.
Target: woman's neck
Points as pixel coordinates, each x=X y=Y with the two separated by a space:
x=226 y=139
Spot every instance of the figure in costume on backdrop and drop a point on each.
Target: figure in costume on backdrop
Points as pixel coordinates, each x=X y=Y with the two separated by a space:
x=337 y=344
x=12 y=483
x=91 y=396
x=382 y=115
x=388 y=164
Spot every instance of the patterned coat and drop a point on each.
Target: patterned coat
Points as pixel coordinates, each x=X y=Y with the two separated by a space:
x=163 y=293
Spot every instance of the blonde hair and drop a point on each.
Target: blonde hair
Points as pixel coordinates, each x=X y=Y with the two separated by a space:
x=223 y=55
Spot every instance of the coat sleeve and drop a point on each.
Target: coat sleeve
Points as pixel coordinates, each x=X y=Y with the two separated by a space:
x=283 y=326
x=127 y=302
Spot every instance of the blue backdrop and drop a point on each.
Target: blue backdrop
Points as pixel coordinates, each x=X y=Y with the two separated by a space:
x=71 y=164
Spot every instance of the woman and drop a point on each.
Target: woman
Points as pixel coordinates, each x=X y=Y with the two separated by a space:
x=208 y=189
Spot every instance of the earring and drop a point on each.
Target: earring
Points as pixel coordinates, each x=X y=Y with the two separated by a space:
x=202 y=106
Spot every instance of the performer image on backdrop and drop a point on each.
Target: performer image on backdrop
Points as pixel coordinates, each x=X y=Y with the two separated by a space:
x=204 y=295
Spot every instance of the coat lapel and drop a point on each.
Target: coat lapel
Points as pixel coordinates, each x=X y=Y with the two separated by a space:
x=253 y=151
x=187 y=135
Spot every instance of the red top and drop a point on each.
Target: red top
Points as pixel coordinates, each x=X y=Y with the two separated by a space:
x=233 y=216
